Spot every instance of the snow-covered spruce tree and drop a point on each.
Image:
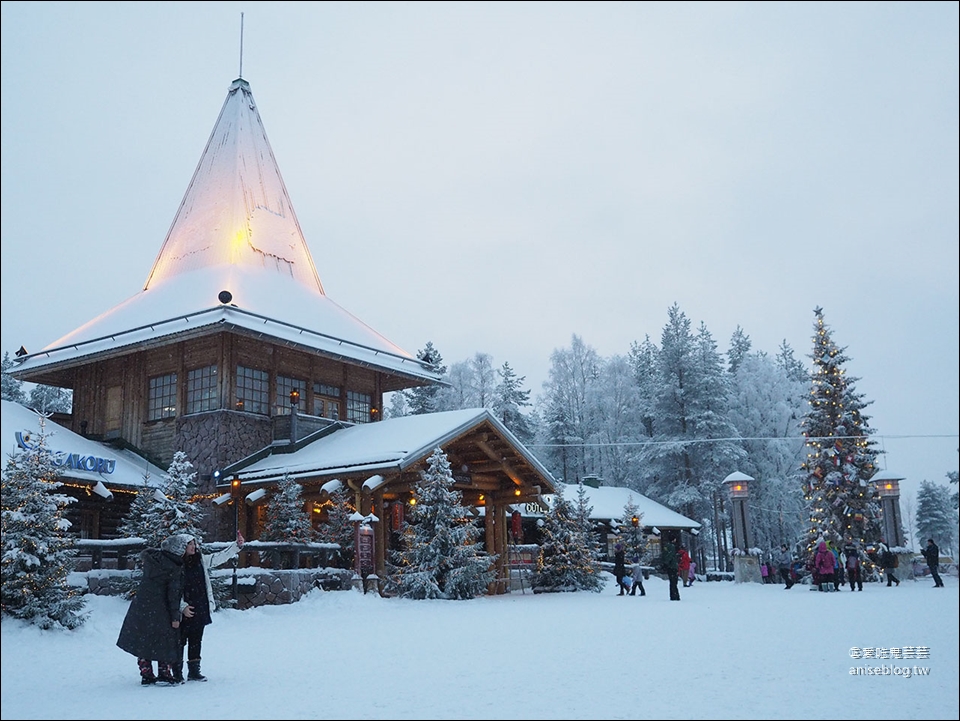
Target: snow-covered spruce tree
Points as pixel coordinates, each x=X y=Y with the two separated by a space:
x=840 y=457
x=510 y=397
x=439 y=557
x=134 y=523
x=176 y=513
x=50 y=399
x=287 y=520
x=337 y=526
x=423 y=399
x=582 y=511
x=936 y=517
x=12 y=389
x=565 y=562
x=634 y=539
x=38 y=553
x=766 y=406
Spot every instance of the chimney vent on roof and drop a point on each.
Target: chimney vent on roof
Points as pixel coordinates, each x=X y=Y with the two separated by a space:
x=225 y=296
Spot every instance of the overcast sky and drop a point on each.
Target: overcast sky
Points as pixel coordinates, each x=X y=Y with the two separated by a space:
x=500 y=177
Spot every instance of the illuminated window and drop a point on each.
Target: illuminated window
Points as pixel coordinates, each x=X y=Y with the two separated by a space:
x=162 y=398
x=285 y=386
x=202 y=389
x=358 y=407
x=326 y=401
x=253 y=390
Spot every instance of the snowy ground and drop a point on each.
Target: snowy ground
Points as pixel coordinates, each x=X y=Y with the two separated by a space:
x=725 y=651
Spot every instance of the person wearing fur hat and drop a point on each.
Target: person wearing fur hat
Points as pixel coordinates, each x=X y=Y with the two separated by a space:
x=151 y=627
x=200 y=603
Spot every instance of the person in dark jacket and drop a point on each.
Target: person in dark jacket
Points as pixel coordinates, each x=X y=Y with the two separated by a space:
x=888 y=560
x=620 y=569
x=932 y=554
x=150 y=629
x=785 y=565
x=851 y=555
x=668 y=564
x=200 y=603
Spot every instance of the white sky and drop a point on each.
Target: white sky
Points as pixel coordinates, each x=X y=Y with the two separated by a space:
x=499 y=177
x=724 y=651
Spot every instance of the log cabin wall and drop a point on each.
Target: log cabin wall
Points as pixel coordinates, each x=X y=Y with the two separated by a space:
x=111 y=398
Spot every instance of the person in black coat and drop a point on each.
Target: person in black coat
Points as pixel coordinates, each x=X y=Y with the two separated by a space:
x=932 y=554
x=620 y=569
x=200 y=603
x=150 y=629
x=668 y=564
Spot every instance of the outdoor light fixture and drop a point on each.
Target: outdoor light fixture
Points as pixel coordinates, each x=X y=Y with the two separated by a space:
x=294 y=397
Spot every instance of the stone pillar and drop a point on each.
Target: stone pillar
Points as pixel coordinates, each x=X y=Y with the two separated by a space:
x=746 y=568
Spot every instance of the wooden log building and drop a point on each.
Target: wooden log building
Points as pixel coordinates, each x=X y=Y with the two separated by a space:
x=233 y=353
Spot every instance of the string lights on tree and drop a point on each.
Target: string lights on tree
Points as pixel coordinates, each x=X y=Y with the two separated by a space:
x=841 y=457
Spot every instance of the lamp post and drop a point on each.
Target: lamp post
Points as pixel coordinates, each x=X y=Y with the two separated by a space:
x=888 y=486
x=294 y=402
x=745 y=566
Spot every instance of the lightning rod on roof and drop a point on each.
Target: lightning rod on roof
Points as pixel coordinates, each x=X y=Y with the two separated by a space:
x=241 y=46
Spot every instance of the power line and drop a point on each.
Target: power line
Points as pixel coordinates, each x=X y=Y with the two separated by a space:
x=782 y=439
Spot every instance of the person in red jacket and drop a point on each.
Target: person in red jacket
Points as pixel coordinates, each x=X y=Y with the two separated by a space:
x=683 y=565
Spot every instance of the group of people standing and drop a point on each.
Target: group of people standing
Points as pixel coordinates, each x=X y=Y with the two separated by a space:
x=173 y=603
x=675 y=562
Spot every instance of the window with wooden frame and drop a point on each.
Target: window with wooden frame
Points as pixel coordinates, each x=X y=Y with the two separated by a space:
x=253 y=390
x=326 y=401
x=286 y=386
x=358 y=407
x=162 y=397
x=202 y=389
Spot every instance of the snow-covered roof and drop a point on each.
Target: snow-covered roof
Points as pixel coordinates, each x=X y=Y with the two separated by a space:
x=388 y=445
x=79 y=458
x=234 y=258
x=608 y=503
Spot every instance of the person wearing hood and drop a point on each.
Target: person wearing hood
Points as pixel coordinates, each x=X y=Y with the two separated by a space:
x=824 y=563
x=200 y=603
x=151 y=627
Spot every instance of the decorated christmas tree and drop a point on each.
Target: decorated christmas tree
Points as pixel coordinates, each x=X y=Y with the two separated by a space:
x=337 y=527
x=567 y=562
x=38 y=553
x=440 y=557
x=840 y=457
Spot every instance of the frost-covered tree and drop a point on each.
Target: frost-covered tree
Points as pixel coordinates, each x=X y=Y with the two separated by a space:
x=570 y=396
x=287 y=520
x=12 y=389
x=643 y=361
x=509 y=398
x=740 y=345
x=424 y=399
x=566 y=562
x=134 y=523
x=766 y=405
x=936 y=516
x=38 y=553
x=440 y=556
x=337 y=527
x=582 y=512
x=693 y=451
x=50 y=399
x=840 y=457
x=176 y=512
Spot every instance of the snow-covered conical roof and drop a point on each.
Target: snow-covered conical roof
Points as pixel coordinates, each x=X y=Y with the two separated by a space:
x=236 y=211
x=234 y=256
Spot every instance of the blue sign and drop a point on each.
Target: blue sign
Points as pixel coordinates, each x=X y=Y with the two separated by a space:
x=73 y=461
